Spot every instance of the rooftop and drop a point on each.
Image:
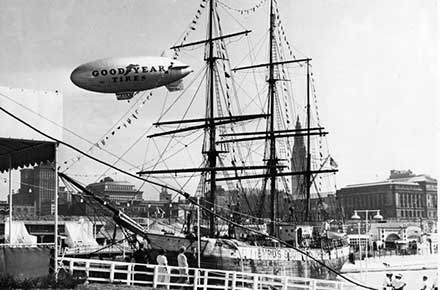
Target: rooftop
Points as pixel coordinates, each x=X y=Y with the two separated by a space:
x=407 y=180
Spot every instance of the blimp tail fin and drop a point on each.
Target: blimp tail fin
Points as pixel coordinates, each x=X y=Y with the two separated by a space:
x=175 y=86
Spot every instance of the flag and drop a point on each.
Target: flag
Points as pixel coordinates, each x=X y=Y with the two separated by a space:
x=333 y=163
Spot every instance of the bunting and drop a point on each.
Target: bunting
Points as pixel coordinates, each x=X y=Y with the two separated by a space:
x=104 y=141
x=247 y=11
x=318 y=120
x=282 y=33
x=91 y=175
x=192 y=27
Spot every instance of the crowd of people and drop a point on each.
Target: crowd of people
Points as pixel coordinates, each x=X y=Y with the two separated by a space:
x=163 y=278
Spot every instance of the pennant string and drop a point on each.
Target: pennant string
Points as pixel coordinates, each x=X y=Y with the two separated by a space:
x=247 y=11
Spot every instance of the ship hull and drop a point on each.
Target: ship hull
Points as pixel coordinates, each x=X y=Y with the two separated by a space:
x=234 y=255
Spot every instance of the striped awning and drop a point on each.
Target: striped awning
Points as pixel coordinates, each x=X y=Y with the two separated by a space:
x=16 y=153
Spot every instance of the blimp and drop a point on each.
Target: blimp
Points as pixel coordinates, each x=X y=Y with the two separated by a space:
x=125 y=76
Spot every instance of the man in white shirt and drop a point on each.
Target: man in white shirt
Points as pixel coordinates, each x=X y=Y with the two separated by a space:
x=163 y=275
x=387 y=282
x=183 y=265
x=398 y=283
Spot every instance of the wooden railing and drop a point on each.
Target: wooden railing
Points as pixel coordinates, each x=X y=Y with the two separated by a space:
x=157 y=277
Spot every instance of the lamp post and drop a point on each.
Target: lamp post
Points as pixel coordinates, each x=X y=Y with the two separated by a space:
x=356 y=216
x=148 y=217
x=198 y=232
x=359 y=243
x=169 y=221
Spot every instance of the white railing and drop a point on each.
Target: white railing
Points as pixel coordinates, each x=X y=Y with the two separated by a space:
x=27 y=245
x=87 y=249
x=153 y=276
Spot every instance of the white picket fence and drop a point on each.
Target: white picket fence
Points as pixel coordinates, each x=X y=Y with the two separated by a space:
x=151 y=275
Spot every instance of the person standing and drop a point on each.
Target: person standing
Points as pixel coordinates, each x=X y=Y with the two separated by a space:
x=398 y=283
x=183 y=266
x=435 y=283
x=426 y=285
x=163 y=276
x=388 y=282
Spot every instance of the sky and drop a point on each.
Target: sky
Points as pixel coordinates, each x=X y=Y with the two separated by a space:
x=375 y=64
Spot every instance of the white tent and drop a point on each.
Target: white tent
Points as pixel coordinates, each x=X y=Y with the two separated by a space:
x=79 y=233
x=19 y=234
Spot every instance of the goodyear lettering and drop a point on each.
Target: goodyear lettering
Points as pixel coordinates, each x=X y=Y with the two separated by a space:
x=137 y=72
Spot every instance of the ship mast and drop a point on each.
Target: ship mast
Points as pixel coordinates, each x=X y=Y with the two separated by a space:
x=272 y=168
x=211 y=153
x=309 y=157
x=210 y=121
x=272 y=161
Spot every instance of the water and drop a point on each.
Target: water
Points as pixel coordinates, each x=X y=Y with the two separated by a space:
x=413 y=278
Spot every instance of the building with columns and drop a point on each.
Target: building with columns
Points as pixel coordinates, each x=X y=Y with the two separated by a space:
x=407 y=202
x=404 y=196
x=117 y=191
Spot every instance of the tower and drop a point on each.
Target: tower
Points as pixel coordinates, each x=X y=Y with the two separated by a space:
x=298 y=163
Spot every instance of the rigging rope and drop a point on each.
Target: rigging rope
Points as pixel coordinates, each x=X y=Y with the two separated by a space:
x=63 y=127
x=116 y=126
x=187 y=196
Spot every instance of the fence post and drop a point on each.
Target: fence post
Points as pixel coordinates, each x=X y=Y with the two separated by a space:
x=312 y=284
x=205 y=281
x=255 y=285
x=234 y=280
x=340 y=286
x=71 y=263
x=196 y=279
x=155 y=277
x=285 y=279
x=129 y=273
x=226 y=280
x=88 y=269
x=112 y=272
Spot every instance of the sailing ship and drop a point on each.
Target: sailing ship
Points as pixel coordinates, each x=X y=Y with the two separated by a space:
x=308 y=253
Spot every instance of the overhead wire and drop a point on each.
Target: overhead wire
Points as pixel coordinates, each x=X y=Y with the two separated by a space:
x=184 y=194
x=60 y=126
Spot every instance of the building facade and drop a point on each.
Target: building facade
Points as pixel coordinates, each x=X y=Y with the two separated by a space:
x=37 y=188
x=117 y=191
x=404 y=196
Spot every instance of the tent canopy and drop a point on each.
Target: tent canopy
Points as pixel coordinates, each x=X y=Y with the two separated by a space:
x=15 y=153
